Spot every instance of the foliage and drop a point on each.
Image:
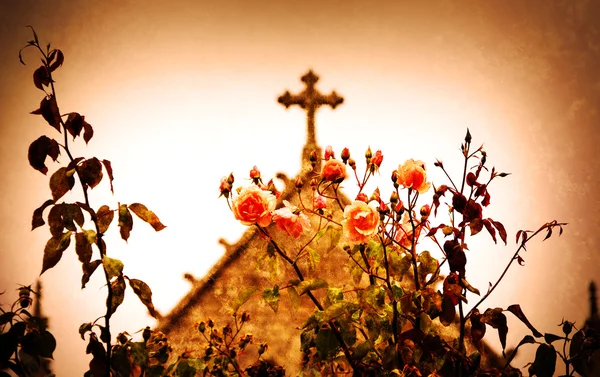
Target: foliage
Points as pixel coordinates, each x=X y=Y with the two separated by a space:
x=389 y=315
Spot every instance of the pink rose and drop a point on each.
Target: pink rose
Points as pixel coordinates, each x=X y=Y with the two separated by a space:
x=319 y=202
x=254 y=206
x=334 y=171
x=290 y=222
x=412 y=175
x=360 y=222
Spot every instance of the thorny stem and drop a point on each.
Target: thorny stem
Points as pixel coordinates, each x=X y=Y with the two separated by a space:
x=514 y=257
x=99 y=235
x=332 y=323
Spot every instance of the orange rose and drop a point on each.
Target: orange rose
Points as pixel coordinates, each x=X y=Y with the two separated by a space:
x=412 y=175
x=254 y=206
x=360 y=222
x=290 y=222
x=334 y=171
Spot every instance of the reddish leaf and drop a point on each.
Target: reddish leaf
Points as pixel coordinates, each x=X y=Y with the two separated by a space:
x=83 y=248
x=38 y=219
x=148 y=216
x=105 y=216
x=142 y=290
x=125 y=221
x=548 y=234
x=448 y=311
x=457 y=258
x=469 y=287
x=476 y=225
x=520 y=260
x=55 y=220
x=41 y=78
x=497 y=319
x=74 y=163
x=501 y=229
x=516 y=310
x=90 y=172
x=39 y=150
x=109 y=171
x=477 y=330
x=54 y=250
x=88 y=270
x=61 y=182
x=490 y=229
x=74 y=124
x=59 y=60
x=88 y=131
x=118 y=293
x=49 y=111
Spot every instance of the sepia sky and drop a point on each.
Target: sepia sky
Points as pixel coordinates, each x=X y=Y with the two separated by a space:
x=181 y=93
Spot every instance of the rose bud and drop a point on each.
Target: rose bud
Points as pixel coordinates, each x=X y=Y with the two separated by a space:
x=230 y=179
x=425 y=210
x=271 y=187
x=299 y=183
x=352 y=163
x=329 y=153
x=362 y=197
x=345 y=155
x=368 y=155
x=313 y=158
x=395 y=178
x=313 y=184
x=394 y=197
x=376 y=196
x=383 y=208
x=377 y=159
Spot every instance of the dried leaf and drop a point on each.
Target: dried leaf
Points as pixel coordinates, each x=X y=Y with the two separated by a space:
x=39 y=150
x=148 y=216
x=60 y=58
x=38 y=219
x=142 y=290
x=83 y=248
x=118 y=293
x=497 y=319
x=544 y=364
x=477 y=330
x=88 y=270
x=105 y=216
x=109 y=171
x=244 y=296
x=528 y=339
x=490 y=229
x=550 y=338
x=516 y=310
x=74 y=124
x=41 y=78
x=49 y=111
x=61 y=182
x=54 y=250
x=88 y=131
x=501 y=229
x=90 y=172
x=448 y=313
x=125 y=221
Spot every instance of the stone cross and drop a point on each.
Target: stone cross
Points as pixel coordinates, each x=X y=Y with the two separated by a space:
x=310 y=100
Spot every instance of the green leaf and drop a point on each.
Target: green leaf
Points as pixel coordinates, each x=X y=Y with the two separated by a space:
x=326 y=343
x=338 y=309
x=54 y=250
x=113 y=267
x=105 y=216
x=243 y=297
x=38 y=219
x=516 y=310
x=271 y=296
x=39 y=150
x=118 y=293
x=88 y=270
x=142 y=290
x=148 y=216
x=313 y=258
x=427 y=265
x=310 y=285
x=83 y=248
x=294 y=297
x=125 y=221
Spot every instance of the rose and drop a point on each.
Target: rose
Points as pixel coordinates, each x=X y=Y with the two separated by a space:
x=254 y=206
x=334 y=171
x=404 y=235
x=360 y=222
x=412 y=175
x=377 y=159
x=290 y=222
x=319 y=202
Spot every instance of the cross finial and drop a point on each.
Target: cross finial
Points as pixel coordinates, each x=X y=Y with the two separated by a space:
x=310 y=100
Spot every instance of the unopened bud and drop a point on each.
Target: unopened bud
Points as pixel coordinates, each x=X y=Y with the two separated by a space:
x=299 y=183
x=211 y=324
x=255 y=173
x=230 y=179
x=329 y=153
x=362 y=197
x=313 y=158
x=383 y=208
x=394 y=197
x=146 y=333
x=245 y=317
x=395 y=178
x=202 y=327
x=313 y=184
x=425 y=210
x=377 y=159
x=262 y=348
x=376 y=195
x=345 y=155
x=368 y=155
x=352 y=163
